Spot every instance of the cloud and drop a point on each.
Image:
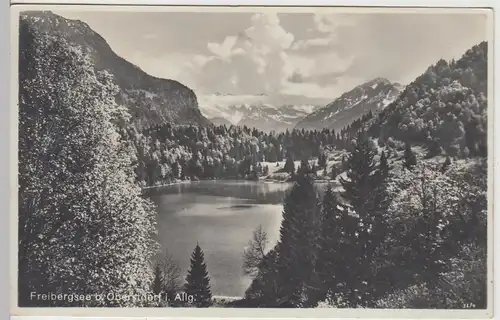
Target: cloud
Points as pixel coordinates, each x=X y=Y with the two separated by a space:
x=331 y=23
x=252 y=61
x=340 y=52
x=396 y=46
x=296 y=77
x=308 y=43
x=264 y=58
x=225 y=50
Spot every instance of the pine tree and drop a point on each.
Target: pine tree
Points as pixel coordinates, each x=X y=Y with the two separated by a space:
x=197 y=279
x=314 y=169
x=265 y=170
x=157 y=286
x=359 y=183
x=334 y=172
x=289 y=165
x=304 y=167
x=322 y=161
x=376 y=221
x=359 y=193
x=328 y=243
x=410 y=160
x=383 y=166
x=343 y=164
x=446 y=164
x=297 y=245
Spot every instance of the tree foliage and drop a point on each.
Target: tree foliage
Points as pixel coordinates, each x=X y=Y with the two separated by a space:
x=254 y=254
x=83 y=225
x=197 y=279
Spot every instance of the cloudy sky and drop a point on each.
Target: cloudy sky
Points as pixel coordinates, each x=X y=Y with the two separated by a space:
x=312 y=56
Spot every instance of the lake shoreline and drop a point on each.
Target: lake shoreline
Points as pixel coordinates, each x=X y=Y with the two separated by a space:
x=220 y=215
x=266 y=180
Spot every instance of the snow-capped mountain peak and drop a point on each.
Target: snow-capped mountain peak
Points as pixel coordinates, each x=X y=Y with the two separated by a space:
x=369 y=96
x=253 y=111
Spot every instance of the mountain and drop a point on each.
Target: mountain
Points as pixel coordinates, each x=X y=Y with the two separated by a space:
x=277 y=112
x=258 y=111
x=445 y=109
x=370 y=96
x=150 y=100
x=268 y=118
x=219 y=121
x=264 y=117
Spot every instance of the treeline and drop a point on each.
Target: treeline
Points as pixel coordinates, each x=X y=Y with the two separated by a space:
x=411 y=236
x=84 y=227
x=445 y=109
x=168 y=153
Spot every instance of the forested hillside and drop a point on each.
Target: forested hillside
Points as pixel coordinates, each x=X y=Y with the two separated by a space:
x=406 y=229
x=409 y=235
x=406 y=233
x=149 y=100
x=445 y=109
x=168 y=153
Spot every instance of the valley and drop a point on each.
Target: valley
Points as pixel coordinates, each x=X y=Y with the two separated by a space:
x=373 y=198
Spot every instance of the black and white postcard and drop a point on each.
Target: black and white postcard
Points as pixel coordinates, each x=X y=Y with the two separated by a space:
x=299 y=159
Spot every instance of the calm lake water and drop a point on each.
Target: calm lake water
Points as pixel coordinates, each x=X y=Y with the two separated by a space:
x=220 y=216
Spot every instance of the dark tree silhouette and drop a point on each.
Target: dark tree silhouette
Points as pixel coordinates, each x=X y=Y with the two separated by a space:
x=383 y=166
x=157 y=286
x=296 y=247
x=410 y=160
x=289 y=165
x=197 y=279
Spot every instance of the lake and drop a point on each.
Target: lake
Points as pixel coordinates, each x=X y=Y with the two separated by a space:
x=221 y=216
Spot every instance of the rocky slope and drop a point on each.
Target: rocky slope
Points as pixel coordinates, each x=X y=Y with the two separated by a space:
x=370 y=96
x=255 y=112
x=150 y=100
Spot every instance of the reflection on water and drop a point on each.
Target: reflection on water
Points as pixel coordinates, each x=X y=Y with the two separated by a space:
x=260 y=192
x=220 y=216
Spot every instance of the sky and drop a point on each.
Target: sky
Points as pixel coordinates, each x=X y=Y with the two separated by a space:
x=312 y=57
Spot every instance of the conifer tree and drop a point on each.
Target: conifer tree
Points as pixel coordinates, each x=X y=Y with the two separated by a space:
x=359 y=183
x=383 y=166
x=289 y=165
x=265 y=170
x=197 y=279
x=328 y=243
x=359 y=193
x=322 y=161
x=157 y=286
x=380 y=204
x=334 y=172
x=304 y=168
x=343 y=164
x=297 y=245
x=446 y=164
x=314 y=169
x=410 y=160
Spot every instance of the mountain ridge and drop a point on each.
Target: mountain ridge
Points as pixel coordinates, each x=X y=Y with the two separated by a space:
x=150 y=100
x=351 y=105
x=262 y=116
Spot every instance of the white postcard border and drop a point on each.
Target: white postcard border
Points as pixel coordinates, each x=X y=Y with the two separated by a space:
x=239 y=312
